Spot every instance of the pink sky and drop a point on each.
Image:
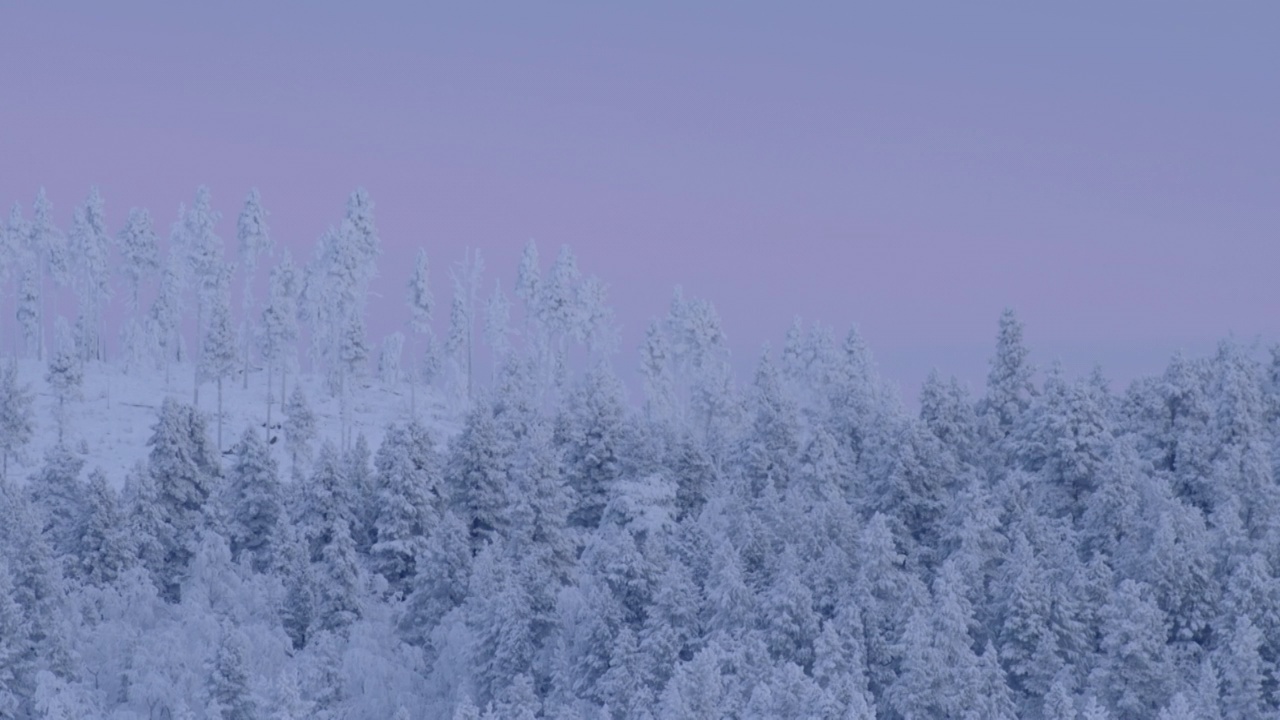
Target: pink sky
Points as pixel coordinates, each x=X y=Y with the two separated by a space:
x=1112 y=174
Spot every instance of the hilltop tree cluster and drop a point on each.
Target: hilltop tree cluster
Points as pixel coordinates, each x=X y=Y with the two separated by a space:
x=796 y=545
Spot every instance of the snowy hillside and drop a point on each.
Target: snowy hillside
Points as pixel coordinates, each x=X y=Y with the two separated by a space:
x=115 y=416
x=509 y=536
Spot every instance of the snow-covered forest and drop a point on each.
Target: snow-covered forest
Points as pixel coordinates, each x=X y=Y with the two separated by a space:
x=222 y=499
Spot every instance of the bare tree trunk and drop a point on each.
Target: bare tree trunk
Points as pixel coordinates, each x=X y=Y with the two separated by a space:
x=246 y=355
x=270 y=398
x=219 y=414
x=199 y=352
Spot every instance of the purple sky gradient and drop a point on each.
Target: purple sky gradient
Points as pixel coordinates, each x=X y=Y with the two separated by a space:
x=1110 y=170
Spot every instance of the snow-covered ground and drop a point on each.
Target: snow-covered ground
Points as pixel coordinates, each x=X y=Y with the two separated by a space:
x=115 y=416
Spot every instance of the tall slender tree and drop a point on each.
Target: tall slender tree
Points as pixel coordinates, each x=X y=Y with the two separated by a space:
x=48 y=248
x=218 y=350
x=280 y=326
x=205 y=264
x=254 y=241
x=421 y=307
x=90 y=249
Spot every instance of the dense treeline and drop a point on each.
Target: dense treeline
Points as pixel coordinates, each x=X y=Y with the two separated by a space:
x=796 y=545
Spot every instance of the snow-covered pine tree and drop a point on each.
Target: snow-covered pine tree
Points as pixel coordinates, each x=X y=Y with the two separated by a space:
x=389 y=358
x=140 y=252
x=48 y=247
x=280 y=327
x=12 y=247
x=497 y=327
x=90 y=247
x=205 y=263
x=334 y=294
x=17 y=421
x=460 y=345
x=21 y=262
x=254 y=240
x=421 y=306
x=65 y=376
x=218 y=349
x=299 y=428
x=164 y=318
x=352 y=354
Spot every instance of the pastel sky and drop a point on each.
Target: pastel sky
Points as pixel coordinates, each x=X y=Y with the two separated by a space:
x=1110 y=170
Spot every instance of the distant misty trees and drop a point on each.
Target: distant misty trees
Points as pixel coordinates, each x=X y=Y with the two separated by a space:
x=178 y=309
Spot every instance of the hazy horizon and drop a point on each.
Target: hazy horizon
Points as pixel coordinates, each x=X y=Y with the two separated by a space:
x=1107 y=173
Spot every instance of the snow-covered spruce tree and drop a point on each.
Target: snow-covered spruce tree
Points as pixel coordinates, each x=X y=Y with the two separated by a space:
x=770 y=452
x=939 y=676
x=407 y=503
x=657 y=376
x=339 y=578
x=254 y=502
x=39 y=585
x=279 y=336
x=106 y=548
x=218 y=350
x=421 y=306
x=90 y=246
x=228 y=679
x=478 y=477
x=1134 y=674
x=57 y=492
x=17 y=421
x=184 y=467
x=140 y=253
x=15 y=660
x=254 y=240
x=1009 y=386
x=947 y=410
x=593 y=432
x=498 y=614
x=560 y=296
x=65 y=376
